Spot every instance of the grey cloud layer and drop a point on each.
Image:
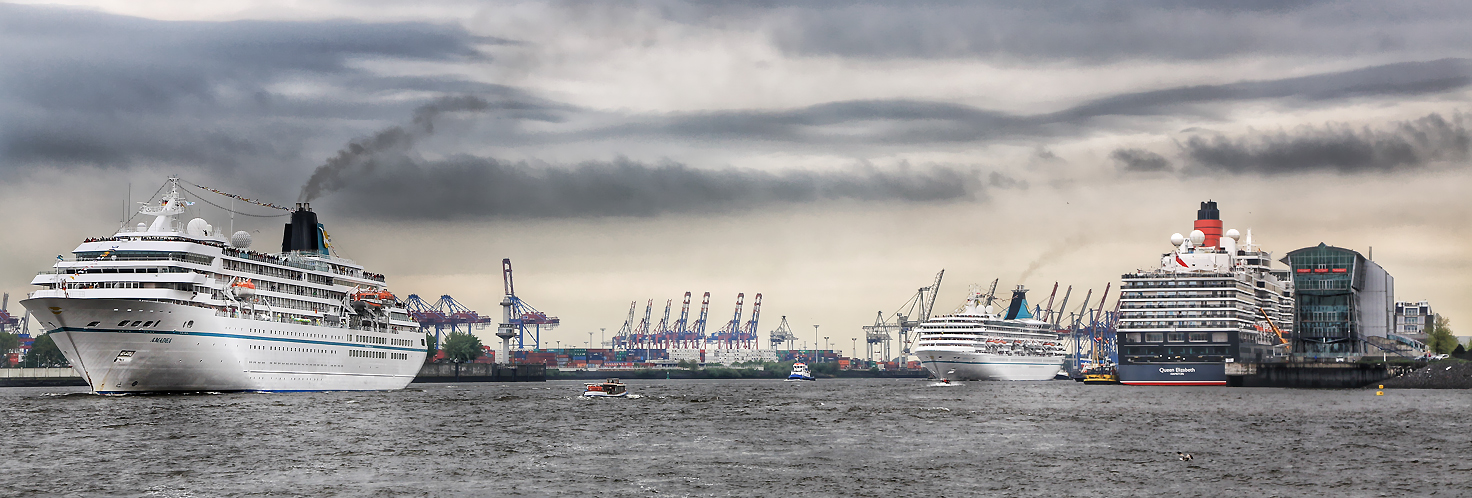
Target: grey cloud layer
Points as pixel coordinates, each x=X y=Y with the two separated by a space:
x=92 y=88
x=397 y=186
x=1140 y=160
x=102 y=89
x=1098 y=32
x=908 y=121
x=1336 y=147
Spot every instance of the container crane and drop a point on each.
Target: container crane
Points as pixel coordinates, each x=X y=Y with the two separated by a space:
x=642 y=333
x=624 y=338
x=682 y=326
x=8 y=322
x=662 y=334
x=520 y=319
x=783 y=335
x=749 y=336
x=916 y=311
x=695 y=338
x=445 y=316
x=879 y=333
x=725 y=338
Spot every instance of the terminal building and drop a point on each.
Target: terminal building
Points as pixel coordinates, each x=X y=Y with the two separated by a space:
x=1345 y=303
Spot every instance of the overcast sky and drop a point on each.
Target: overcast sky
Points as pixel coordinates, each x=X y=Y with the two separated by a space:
x=831 y=155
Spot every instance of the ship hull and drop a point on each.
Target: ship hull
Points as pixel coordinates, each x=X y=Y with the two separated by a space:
x=1173 y=374
x=190 y=349
x=958 y=365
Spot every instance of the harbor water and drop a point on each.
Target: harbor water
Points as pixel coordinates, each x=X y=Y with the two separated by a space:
x=838 y=437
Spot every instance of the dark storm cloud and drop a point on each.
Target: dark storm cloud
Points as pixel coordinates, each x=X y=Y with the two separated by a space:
x=1336 y=147
x=397 y=186
x=1099 y=32
x=1140 y=160
x=81 y=86
x=908 y=121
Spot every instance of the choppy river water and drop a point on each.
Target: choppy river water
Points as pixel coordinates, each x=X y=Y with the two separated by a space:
x=858 y=437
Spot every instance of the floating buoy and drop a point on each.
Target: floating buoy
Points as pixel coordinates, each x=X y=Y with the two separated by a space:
x=1379 y=393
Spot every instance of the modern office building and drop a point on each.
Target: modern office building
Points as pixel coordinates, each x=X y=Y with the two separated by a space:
x=1343 y=298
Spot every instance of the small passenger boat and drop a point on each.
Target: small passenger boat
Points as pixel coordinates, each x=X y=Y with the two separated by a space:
x=799 y=372
x=610 y=388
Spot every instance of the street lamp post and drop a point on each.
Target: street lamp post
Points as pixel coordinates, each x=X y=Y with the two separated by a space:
x=601 y=336
x=815 y=342
x=590 y=340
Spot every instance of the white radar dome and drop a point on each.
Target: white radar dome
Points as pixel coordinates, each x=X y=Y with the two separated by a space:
x=240 y=239
x=1198 y=237
x=1176 y=239
x=1234 y=234
x=142 y=227
x=198 y=228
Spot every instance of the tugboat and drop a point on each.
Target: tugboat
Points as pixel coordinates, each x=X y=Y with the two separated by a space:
x=799 y=372
x=1100 y=373
x=610 y=388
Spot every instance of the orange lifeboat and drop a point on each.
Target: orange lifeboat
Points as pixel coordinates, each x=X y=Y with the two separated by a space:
x=373 y=298
x=244 y=287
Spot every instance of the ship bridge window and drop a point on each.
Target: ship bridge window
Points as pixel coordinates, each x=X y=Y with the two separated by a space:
x=148 y=323
x=135 y=323
x=189 y=324
x=123 y=323
x=1175 y=337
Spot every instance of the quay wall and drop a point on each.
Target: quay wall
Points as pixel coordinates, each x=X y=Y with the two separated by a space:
x=40 y=377
x=480 y=372
x=1310 y=375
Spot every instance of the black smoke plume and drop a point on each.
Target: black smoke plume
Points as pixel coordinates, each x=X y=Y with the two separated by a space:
x=356 y=158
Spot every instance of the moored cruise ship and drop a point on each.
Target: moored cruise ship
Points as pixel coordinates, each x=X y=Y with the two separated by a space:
x=974 y=343
x=1211 y=301
x=171 y=307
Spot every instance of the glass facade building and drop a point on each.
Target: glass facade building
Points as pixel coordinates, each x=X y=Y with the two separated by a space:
x=1342 y=298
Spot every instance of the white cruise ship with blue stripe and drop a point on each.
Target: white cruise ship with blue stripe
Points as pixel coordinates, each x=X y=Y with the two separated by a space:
x=974 y=343
x=176 y=307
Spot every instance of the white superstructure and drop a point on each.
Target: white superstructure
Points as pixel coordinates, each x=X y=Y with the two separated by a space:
x=974 y=343
x=173 y=307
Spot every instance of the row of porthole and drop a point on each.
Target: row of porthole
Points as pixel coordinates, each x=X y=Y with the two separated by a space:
x=295 y=350
x=297 y=334
x=141 y=323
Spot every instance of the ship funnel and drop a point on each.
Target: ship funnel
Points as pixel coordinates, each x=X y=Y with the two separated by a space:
x=303 y=233
x=1018 y=308
x=1209 y=222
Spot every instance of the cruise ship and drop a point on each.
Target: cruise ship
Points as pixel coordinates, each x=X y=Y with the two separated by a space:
x=975 y=343
x=176 y=307
x=1214 y=299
